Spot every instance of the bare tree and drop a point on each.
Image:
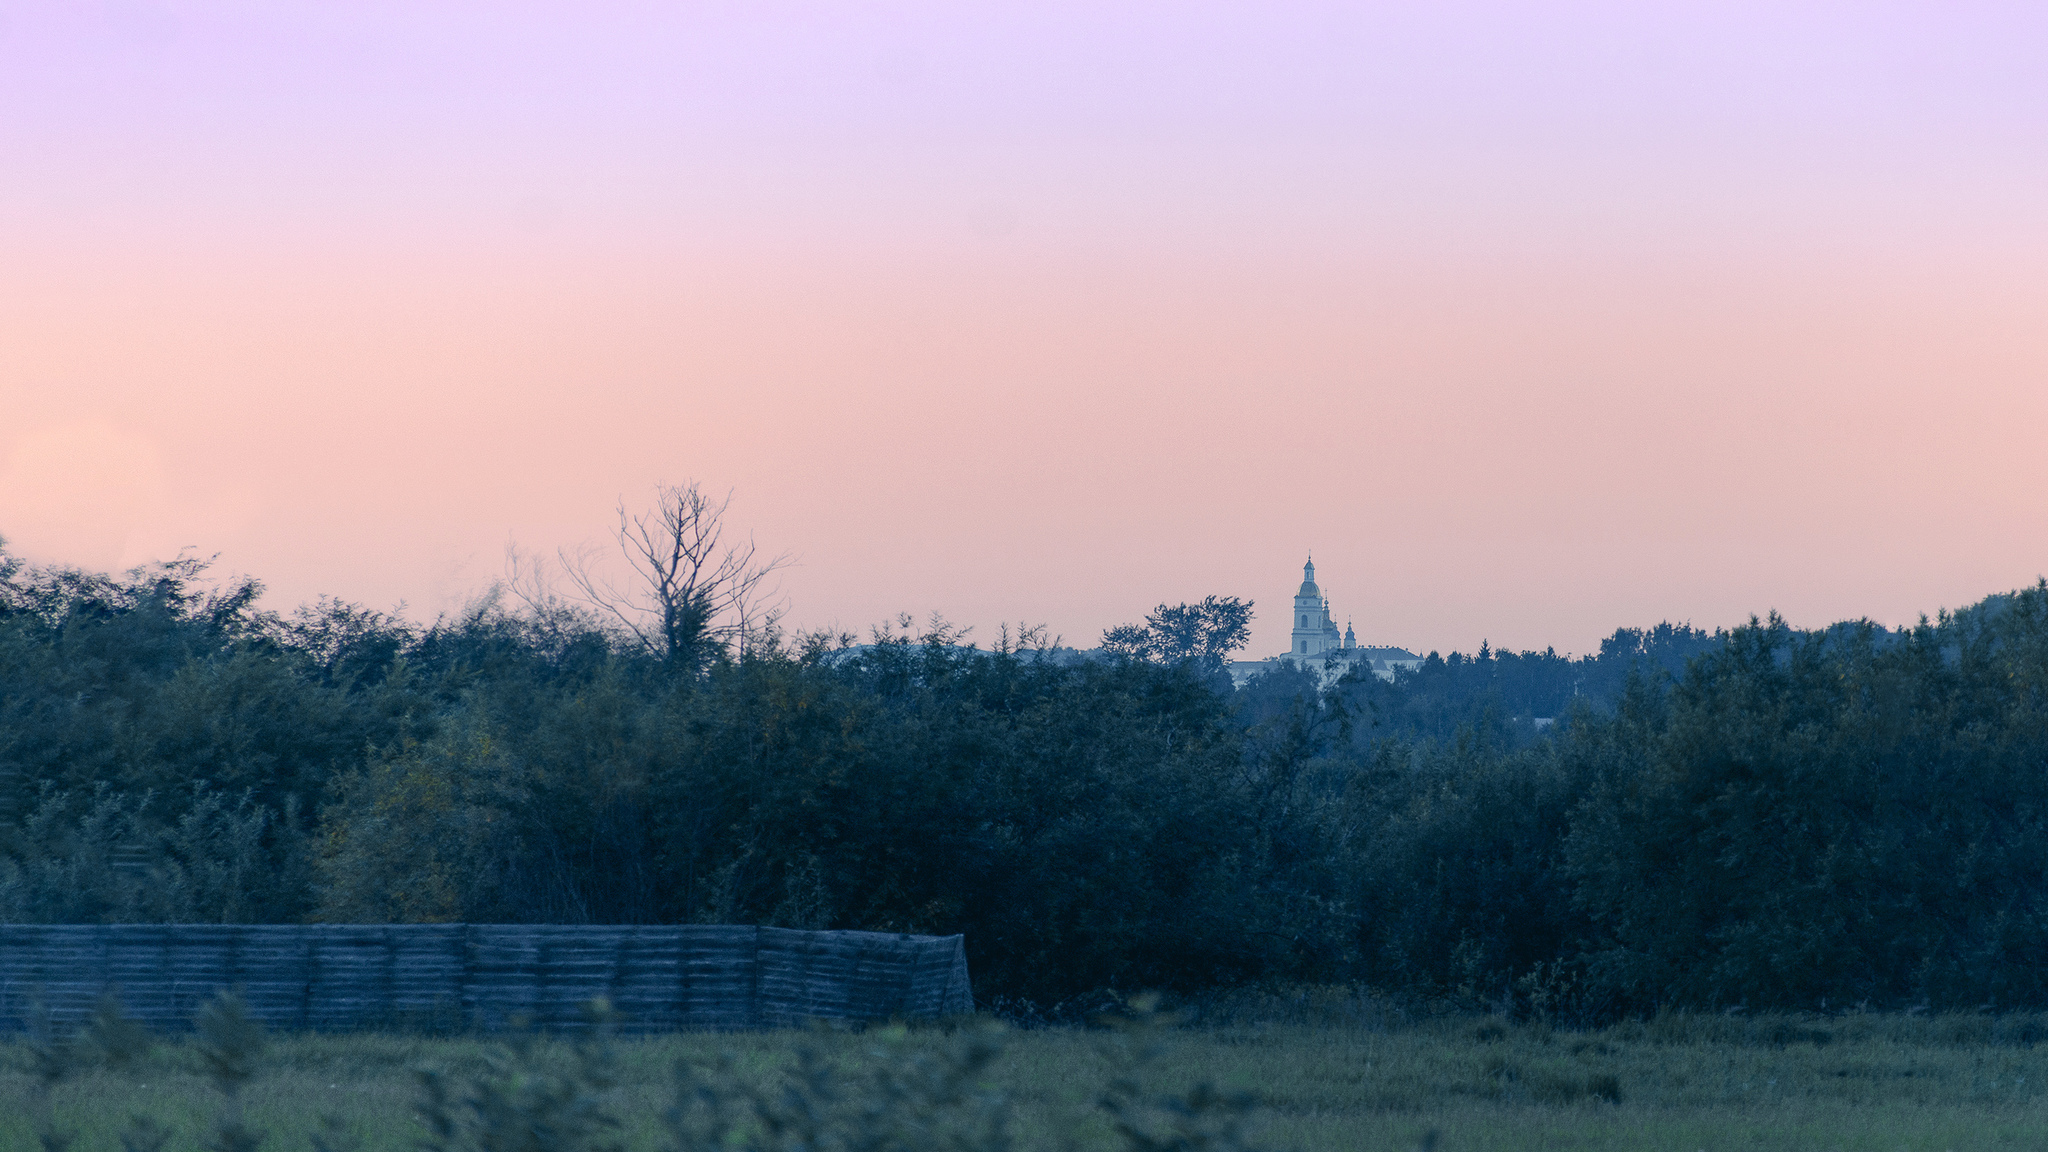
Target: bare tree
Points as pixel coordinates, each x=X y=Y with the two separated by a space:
x=692 y=596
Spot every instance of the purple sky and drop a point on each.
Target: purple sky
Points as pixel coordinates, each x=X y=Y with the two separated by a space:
x=1532 y=322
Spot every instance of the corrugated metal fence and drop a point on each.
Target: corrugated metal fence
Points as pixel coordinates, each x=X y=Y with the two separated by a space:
x=333 y=977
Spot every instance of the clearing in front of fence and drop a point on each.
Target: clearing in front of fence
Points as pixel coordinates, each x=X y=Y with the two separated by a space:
x=1345 y=1080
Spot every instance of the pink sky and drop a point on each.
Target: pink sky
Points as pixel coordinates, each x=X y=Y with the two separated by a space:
x=1532 y=321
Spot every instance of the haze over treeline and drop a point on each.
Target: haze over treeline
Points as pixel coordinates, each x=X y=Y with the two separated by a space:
x=1759 y=815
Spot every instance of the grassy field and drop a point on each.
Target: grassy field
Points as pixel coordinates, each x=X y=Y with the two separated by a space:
x=1335 y=1080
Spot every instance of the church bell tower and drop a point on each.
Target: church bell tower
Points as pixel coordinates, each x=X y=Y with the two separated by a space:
x=1311 y=615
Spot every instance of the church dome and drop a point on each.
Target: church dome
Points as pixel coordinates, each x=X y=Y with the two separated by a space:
x=1308 y=581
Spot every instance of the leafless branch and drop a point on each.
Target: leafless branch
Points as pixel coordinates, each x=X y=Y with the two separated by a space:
x=691 y=595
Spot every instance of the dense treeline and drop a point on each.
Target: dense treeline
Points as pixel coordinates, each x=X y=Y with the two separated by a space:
x=1761 y=816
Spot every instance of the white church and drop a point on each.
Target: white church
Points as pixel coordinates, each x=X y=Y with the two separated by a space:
x=1315 y=642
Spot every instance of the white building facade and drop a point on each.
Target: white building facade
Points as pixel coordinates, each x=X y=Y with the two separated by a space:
x=1315 y=629
x=1314 y=642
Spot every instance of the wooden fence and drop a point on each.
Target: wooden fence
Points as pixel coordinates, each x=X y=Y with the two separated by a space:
x=335 y=977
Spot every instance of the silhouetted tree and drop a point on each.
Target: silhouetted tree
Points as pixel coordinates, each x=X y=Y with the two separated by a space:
x=1205 y=633
x=692 y=596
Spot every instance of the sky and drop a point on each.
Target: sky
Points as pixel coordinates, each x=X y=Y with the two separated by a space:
x=1531 y=321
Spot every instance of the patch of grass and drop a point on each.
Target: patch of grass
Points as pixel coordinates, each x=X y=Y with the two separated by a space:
x=1359 y=1080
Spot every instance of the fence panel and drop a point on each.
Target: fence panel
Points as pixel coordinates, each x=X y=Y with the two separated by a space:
x=429 y=967
x=719 y=970
x=350 y=978
x=270 y=965
x=648 y=992
x=334 y=977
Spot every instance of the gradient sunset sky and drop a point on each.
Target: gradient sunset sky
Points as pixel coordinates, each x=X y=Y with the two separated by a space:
x=1532 y=320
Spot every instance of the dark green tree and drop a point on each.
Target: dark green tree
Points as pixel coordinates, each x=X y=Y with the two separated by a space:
x=1203 y=634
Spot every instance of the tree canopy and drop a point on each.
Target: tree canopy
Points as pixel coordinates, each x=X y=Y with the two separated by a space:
x=1760 y=815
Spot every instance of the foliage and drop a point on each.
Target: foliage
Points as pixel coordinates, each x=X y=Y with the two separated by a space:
x=1834 y=817
x=1512 y=695
x=1758 y=817
x=1461 y=894
x=903 y=1098
x=101 y=858
x=422 y=834
x=230 y=1046
x=1204 y=634
x=516 y=1104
